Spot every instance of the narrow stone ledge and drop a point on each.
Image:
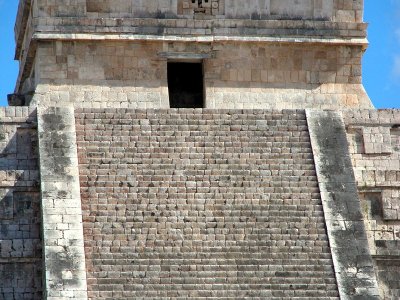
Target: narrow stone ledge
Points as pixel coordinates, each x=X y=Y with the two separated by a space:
x=64 y=256
x=101 y=36
x=354 y=267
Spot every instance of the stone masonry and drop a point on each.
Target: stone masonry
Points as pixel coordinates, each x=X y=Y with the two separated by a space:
x=201 y=204
x=264 y=54
x=284 y=183
x=20 y=238
x=64 y=266
x=374 y=145
x=347 y=237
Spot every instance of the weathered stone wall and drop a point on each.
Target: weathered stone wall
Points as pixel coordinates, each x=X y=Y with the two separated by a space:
x=50 y=8
x=309 y=22
x=20 y=244
x=236 y=75
x=374 y=137
x=201 y=203
x=338 y=10
x=348 y=240
x=86 y=74
x=348 y=10
x=281 y=76
x=63 y=249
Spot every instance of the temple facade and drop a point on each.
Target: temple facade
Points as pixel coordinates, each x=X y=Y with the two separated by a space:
x=246 y=55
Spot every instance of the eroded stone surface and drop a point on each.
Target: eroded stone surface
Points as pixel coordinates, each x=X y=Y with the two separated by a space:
x=374 y=146
x=255 y=54
x=351 y=255
x=201 y=203
x=64 y=259
x=20 y=220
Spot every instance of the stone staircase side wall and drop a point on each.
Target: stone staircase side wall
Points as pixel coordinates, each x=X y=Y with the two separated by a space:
x=64 y=258
x=20 y=244
x=347 y=235
x=374 y=143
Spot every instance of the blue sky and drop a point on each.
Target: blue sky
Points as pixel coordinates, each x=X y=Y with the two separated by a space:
x=381 y=63
x=8 y=67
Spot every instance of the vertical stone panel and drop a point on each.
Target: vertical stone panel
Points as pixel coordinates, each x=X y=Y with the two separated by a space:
x=351 y=255
x=64 y=259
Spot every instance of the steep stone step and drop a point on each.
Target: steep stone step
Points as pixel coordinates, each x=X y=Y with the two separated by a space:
x=202 y=204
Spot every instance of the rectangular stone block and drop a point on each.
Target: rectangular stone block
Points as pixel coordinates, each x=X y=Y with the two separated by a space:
x=391 y=204
x=377 y=140
x=109 y=6
x=6 y=204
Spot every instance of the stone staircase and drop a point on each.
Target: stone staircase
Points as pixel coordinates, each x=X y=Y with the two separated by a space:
x=201 y=204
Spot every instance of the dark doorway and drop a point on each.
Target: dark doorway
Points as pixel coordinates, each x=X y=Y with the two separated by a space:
x=185 y=85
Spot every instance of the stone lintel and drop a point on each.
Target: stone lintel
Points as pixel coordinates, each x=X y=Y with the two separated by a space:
x=185 y=56
x=64 y=256
x=353 y=263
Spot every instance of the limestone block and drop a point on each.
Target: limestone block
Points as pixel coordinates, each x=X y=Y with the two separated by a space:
x=108 y=6
x=251 y=8
x=391 y=204
x=302 y=8
x=6 y=204
x=377 y=140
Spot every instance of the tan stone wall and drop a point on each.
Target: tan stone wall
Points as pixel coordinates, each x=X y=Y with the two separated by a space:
x=237 y=75
x=284 y=76
x=348 y=10
x=338 y=10
x=339 y=23
x=374 y=138
x=51 y=8
x=101 y=74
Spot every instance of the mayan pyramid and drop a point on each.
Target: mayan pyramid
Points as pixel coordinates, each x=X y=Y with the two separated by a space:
x=196 y=149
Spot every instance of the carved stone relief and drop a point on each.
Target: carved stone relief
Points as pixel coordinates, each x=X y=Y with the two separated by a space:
x=206 y=7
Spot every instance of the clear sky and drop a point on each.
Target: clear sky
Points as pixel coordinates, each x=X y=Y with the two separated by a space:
x=381 y=64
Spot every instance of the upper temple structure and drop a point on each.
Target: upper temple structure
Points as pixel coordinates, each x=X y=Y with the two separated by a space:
x=278 y=54
x=196 y=149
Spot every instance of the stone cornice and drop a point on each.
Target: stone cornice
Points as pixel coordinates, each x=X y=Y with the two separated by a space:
x=200 y=39
x=24 y=8
x=186 y=27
